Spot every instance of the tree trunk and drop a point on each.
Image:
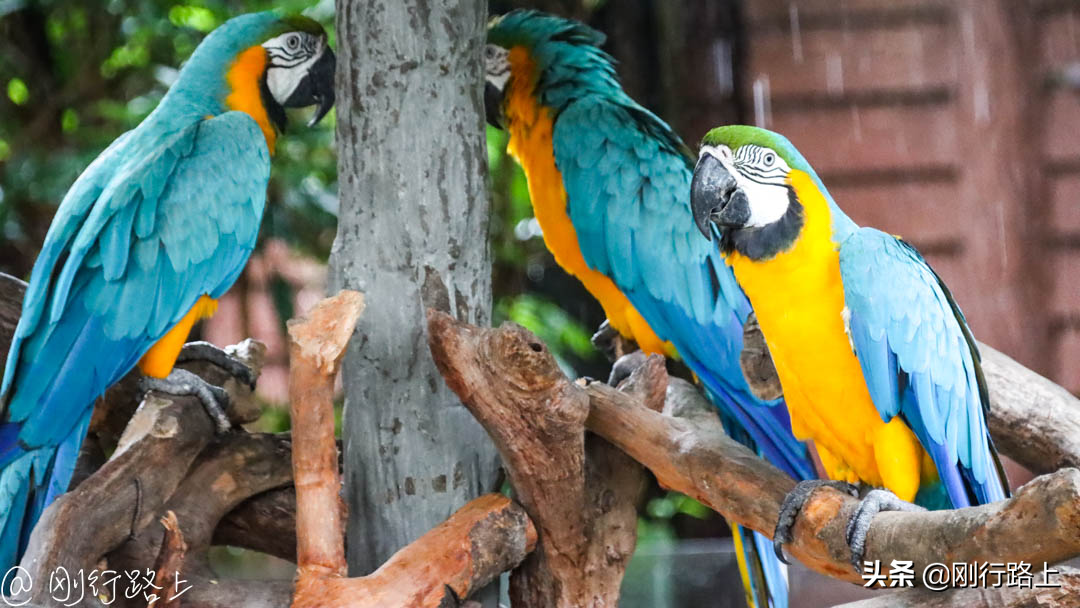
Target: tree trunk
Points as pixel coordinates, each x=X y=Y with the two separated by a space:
x=412 y=233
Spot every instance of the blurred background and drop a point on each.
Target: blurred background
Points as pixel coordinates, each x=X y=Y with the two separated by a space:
x=952 y=123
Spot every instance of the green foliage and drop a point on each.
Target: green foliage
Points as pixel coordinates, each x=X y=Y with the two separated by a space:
x=17 y=91
x=78 y=75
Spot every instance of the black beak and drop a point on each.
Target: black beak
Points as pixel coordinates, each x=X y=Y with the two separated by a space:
x=317 y=87
x=715 y=197
x=493 y=105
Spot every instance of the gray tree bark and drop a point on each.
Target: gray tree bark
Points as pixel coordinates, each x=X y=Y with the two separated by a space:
x=412 y=233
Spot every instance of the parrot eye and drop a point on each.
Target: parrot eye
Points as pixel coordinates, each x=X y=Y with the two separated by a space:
x=769 y=159
x=292 y=42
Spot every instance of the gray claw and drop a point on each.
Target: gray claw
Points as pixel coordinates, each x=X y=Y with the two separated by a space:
x=858 y=526
x=625 y=366
x=604 y=340
x=181 y=382
x=205 y=351
x=793 y=503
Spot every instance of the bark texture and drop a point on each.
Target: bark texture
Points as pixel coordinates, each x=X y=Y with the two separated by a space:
x=485 y=537
x=579 y=490
x=509 y=379
x=412 y=232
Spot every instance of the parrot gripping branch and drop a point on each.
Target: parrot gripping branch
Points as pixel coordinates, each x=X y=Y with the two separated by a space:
x=172 y=488
x=513 y=386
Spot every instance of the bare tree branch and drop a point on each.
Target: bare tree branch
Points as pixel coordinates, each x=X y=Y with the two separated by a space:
x=485 y=537
x=511 y=373
x=691 y=454
x=581 y=492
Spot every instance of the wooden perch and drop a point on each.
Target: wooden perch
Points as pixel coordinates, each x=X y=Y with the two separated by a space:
x=688 y=451
x=581 y=492
x=686 y=448
x=485 y=537
x=1032 y=420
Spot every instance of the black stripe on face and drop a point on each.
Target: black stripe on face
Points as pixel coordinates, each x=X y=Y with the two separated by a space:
x=765 y=242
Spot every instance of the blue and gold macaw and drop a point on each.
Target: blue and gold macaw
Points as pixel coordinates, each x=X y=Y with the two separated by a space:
x=876 y=360
x=610 y=188
x=148 y=237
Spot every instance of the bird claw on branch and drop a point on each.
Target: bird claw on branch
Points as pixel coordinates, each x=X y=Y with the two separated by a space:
x=181 y=382
x=793 y=503
x=205 y=351
x=510 y=375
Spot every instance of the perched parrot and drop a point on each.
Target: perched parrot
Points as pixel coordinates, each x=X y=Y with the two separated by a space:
x=148 y=237
x=610 y=188
x=876 y=360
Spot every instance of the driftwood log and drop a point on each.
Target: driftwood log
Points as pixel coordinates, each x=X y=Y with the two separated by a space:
x=508 y=377
x=488 y=535
x=579 y=490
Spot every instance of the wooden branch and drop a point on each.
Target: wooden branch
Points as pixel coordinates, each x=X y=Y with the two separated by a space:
x=485 y=537
x=265 y=522
x=169 y=562
x=11 y=296
x=165 y=436
x=227 y=472
x=1032 y=420
x=511 y=374
x=316 y=346
x=581 y=494
x=688 y=451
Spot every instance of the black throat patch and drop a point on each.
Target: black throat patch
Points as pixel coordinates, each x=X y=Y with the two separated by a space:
x=764 y=242
x=274 y=111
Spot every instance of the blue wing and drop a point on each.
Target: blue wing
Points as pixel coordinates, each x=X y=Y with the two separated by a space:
x=920 y=361
x=627 y=178
x=154 y=223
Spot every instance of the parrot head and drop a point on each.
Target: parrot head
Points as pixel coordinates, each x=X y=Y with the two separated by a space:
x=742 y=190
x=552 y=59
x=259 y=63
x=300 y=66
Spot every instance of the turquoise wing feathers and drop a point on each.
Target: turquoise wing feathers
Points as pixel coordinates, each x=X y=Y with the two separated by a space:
x=920 y=361
x=627 y=178
x=137 y=240
x=140 y=240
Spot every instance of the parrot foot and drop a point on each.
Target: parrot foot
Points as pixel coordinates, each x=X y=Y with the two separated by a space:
x=605 y=340
x=793 y=503
x=181 y=382
x=205 y=351
x=625 y=366
x=858 y=526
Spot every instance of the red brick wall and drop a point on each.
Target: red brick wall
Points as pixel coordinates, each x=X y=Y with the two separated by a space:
x=938 y=120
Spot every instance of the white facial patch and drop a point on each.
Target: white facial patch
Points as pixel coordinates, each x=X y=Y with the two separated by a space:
x=496 y=65
x=289 y=57
x=762 y=176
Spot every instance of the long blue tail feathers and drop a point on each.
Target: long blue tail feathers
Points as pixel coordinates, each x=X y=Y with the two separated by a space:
x=29 y=482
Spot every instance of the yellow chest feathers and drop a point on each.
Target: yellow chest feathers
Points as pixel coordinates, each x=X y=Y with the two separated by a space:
x=798 y=297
